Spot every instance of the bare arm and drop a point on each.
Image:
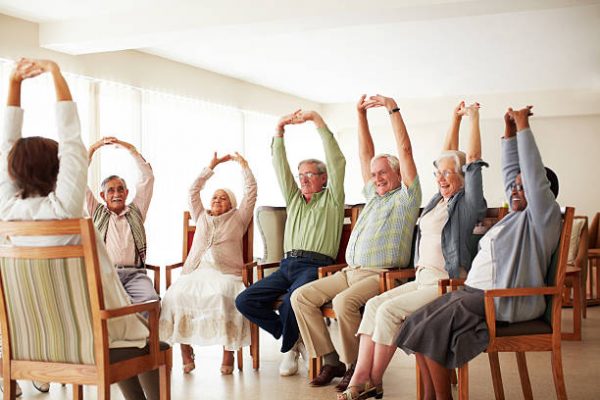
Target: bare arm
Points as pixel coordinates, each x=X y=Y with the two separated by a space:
x=474 y=150
x=451 y=140
x=366 y=148
x=408 y=169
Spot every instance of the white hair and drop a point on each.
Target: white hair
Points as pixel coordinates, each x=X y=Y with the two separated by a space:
x=393 y=161
x=459 y=158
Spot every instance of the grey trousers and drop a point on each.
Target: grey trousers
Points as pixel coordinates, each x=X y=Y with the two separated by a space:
x=137 y=284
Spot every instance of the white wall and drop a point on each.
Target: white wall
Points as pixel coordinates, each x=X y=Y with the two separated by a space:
x=566 y=126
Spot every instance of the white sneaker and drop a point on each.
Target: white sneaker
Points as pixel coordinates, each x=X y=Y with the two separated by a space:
x=301 y=348
x=289 y=364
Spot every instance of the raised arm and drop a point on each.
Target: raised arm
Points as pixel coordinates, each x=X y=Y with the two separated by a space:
x=195 y=201
x=246 y=207
x=408 y=169
x=366 y=148
x=474 y=149
x=145 y=184
x=451 y=140
x=510 y=154
x=287 y=184
x=334 y=158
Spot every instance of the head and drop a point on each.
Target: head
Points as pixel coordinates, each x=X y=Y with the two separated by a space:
x=385 y=173
x=518 y=200
x=114 y=193
x=33 y=165
x=312 y=175
x=448 y=172
x=222 y=201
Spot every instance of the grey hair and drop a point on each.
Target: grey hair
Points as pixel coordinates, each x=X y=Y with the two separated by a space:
x=459 y=159
x=393 y=161
x=321 y=167
x=110 y=178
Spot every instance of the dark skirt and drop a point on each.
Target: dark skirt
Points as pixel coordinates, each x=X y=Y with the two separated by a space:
x=450 y=330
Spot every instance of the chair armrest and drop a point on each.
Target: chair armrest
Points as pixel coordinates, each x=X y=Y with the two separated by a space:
x=248 y=273
x=260 y=269
x=330 y=269
x=156 y=270
x=453 y=284
x=168 y=271
x=150 y=306
x=390 y=276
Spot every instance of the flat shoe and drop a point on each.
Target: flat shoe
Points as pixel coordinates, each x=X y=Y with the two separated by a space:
x=360 y=392
x=327 y=373
x=226 y=369
x=189 y=367
x=43 y=387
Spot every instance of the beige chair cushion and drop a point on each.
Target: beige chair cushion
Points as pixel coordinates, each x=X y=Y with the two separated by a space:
x=271 y=225
x=578 y=224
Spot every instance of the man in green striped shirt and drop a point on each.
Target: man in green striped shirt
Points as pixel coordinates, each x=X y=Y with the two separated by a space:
x=315 y=214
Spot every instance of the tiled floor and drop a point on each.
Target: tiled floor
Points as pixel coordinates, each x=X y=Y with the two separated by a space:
x=581 y=365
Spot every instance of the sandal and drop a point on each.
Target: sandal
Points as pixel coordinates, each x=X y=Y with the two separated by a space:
x=361 y=392
x=187 y=354
x=227 y=369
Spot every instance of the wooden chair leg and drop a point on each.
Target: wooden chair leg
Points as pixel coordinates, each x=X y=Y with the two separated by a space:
x=254 y=346
x=453 y=377
x=314 y=367
x=496 y=375
x=420 y=386
x=557 y=374
x=577 y=306
x=164 y=383
x=240 y=359
x=524 y=375
x=103 y=391
x=463 y=382
x=77 y=392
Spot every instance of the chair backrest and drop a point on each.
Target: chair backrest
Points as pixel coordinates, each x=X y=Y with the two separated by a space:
x=51 y=297
x=594 y=232
x=578 y=242
x=189 y=229
x=271 y=225
x=557 y=271
x=492 y=216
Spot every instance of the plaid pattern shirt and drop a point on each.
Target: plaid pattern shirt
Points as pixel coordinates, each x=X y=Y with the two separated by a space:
x=382 y=237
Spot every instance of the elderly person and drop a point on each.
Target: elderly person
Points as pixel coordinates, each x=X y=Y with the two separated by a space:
x=441 y=252
x=381 y=239
x=37 y=184
x=516 y=252
x=199 y=307
x=315 y=214
x=121 y=225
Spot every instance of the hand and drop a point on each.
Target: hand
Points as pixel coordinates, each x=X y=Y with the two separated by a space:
x=218 y=160
x=510 y=128
x=286 y=120
x=122 y=144
x=237 y=157
x=382 y=101
x=459 y=110
x=472 y=110
x=102 y=142
x=521 y=117
x=30 y=68
x=362 y=105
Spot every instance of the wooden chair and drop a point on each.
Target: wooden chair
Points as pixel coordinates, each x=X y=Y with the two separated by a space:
x=271 y=223
x=576 y=276
x=593 y=273
x=248 y=248
x=54 y=322
x=542 y=334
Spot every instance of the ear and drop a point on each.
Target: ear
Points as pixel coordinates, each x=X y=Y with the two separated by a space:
x=102 y=196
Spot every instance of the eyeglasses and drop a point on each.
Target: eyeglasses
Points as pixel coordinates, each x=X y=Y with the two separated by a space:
x=445 y=173
x=309 y=175
x=517 y=187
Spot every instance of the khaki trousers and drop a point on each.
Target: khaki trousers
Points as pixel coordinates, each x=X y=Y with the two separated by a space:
x=385 y=313
x=348 y=290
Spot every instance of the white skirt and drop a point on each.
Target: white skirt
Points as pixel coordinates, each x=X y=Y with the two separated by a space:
x=199 y=308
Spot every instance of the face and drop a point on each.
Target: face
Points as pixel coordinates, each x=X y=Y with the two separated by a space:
x=448 y=180
x=383 y=176
x=115 y=195
x=518 y=202
x=220 y=203
x=310 y=180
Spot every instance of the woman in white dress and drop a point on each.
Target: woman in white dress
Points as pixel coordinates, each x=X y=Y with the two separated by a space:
x=199 y=308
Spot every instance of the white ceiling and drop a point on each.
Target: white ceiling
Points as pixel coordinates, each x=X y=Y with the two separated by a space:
x=330 y=51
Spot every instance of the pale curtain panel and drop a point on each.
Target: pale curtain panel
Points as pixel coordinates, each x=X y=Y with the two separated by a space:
x=179 y=138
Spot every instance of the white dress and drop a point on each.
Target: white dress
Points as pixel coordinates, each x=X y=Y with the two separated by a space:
x=199 y=308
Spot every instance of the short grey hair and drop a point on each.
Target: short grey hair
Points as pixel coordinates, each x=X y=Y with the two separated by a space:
x=459 y=158
x=393 y=161
x=321 y=166
x=110 y=178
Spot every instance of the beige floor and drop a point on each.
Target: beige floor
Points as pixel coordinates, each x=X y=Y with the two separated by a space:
x=581 y=365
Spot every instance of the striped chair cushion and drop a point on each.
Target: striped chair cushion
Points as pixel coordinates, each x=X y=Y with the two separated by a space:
x=48 y=310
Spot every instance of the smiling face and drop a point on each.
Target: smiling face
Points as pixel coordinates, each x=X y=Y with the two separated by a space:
x=311 y=180
x=518 y=202
x=448 y=180
x=115 y=194
x=220 y=203
x=384 y=176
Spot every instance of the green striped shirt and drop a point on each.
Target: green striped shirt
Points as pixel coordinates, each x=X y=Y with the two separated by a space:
x=382 y=237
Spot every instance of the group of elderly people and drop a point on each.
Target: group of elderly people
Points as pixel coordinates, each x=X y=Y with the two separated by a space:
x=209 y=305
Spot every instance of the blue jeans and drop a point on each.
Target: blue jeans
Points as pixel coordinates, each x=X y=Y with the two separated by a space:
x=256 y=302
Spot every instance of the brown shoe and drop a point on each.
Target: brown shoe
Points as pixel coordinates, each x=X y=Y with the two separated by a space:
x=327 y=373
x=343 y=385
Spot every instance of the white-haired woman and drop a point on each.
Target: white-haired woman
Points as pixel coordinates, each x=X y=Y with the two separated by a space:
x=441 y=252
x=199 y=308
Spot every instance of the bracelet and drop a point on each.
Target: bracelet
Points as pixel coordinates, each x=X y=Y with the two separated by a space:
x=393 y=110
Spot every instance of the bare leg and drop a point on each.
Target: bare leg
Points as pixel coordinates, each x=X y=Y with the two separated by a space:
x=382 y=356
x=187 y=356
x=429 y=390
x=227 y=362
x=440 y=376
x=364 y=363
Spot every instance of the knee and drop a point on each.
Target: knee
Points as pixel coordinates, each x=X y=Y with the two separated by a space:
x=371 y=307
x=343 y=305
x=297 y=298
x=384 y=312
x=241 y=302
